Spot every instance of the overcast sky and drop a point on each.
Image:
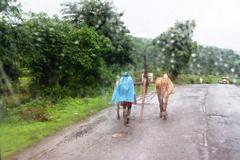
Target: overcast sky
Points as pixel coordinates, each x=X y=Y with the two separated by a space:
x=218 y=21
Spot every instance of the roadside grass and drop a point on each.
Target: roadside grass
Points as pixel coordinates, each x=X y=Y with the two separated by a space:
x=238 y=82
x=30 y=122
x=195 y=79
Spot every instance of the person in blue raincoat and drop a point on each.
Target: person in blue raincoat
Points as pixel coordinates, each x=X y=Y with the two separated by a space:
x=124 y=95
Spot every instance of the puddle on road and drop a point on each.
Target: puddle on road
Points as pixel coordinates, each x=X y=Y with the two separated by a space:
x=219 y=118
x=122 y=133
x=214 y=115
x=118 y=135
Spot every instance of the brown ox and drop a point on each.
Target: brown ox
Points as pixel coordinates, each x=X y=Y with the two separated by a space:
x=164 y=87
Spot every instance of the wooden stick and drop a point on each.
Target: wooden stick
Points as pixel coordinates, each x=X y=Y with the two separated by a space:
x=143 y=98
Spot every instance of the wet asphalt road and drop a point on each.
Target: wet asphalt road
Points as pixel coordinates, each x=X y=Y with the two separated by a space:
x=203 y=124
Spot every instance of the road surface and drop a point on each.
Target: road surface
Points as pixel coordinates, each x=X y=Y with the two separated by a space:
x=203 y=124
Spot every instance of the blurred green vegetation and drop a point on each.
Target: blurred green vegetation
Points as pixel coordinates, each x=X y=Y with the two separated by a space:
x=30 y=122
x=62 y=70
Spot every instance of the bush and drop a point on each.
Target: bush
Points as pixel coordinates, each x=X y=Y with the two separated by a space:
x=34 y=114
x=207 y=80
x=36 y=110
x=64 y=59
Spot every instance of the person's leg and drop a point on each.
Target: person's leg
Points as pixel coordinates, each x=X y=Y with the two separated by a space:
x=124 y=114
x=129 y=112
x=118 y=108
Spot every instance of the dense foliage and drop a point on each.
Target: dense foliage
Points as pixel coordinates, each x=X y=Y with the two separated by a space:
x=10 y=10
x=205 y=60
x=62 y=56
x=214 y=61
x=102 y=17
x=9 y=58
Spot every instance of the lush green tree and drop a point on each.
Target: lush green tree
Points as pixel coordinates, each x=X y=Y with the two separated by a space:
x=8 y=51
x=176 y=46
x=103 y=17
x=63 y=56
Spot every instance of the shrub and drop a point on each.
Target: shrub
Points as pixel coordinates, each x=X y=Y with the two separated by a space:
x=35 y=110
x=35 y=114
x=64 y=59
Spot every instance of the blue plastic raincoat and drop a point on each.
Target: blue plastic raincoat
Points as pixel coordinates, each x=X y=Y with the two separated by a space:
x=124 y=91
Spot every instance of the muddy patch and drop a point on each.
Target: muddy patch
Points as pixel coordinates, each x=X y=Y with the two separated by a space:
x=218 y=118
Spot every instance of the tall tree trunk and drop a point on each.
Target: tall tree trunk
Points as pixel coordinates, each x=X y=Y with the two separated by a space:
x=145 y=74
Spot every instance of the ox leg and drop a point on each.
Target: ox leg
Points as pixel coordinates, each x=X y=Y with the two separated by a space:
x=118 y=108
x=160 y=105
x=165 y=108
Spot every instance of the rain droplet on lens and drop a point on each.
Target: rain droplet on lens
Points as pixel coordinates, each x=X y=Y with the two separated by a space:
x=194 y=55
x=76 y=42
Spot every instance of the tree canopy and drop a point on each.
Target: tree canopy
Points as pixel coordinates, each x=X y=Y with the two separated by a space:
x=103 y=17
x=176 y=46
x=62 y=55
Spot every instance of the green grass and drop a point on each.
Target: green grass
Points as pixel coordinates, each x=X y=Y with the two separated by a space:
x=17 y=133
x=238 y=82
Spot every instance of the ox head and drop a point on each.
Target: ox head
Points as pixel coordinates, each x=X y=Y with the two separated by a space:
x=165 y=75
